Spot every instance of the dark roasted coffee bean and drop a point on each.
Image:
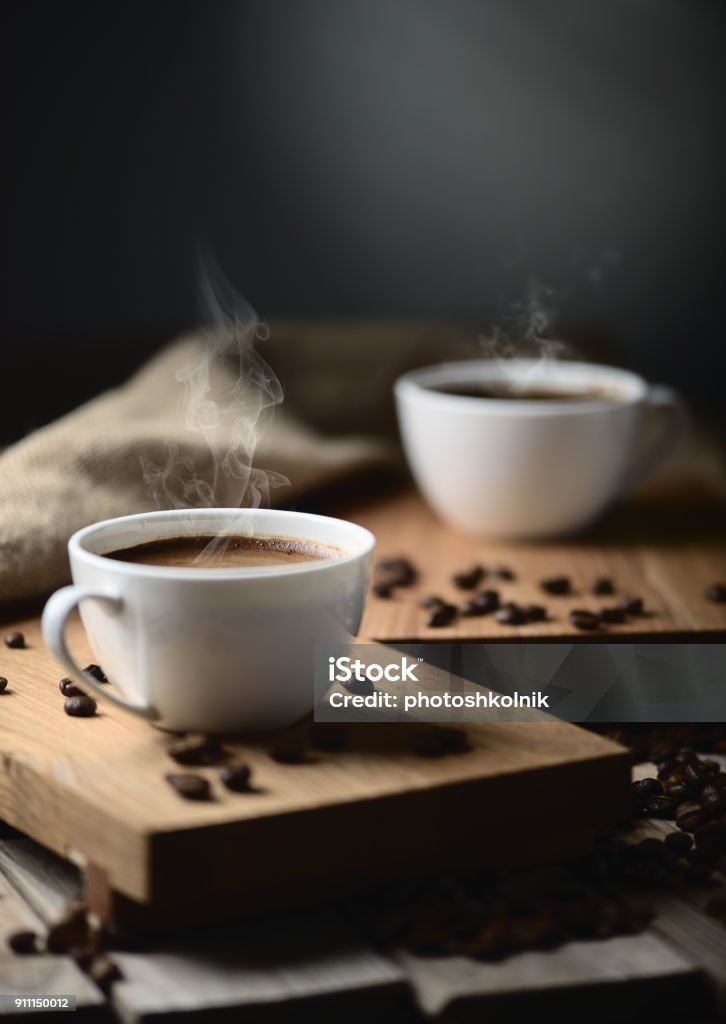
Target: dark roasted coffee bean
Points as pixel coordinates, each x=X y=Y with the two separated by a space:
x=191 y=787
x=431 y=601
x=717 y=593
x=713 y=799
x=510 y=614
x=678 y=791
x=103 y=971
x=237 y=777
x=360 y=687
x=470 y=579
x=97 y=672
x=331 y=738
x=69 y=689
x=23 y=942
x=694 y=778
x=15 y=640
x=80 y=707
x=660 y=806
x=611 y=615
x=681 y=842
x=646 y=788
x=397 y=571
x=290 y=751
x=689 y=816
x=502 y=572
x=382 y=588
x=534 y=612
x=441 y=615
x=585 y=620
x=558 y=585
x=603 y=587
x=710 y=768
x=71 y=931
x=483 y=603
x=196 y=748
x=3 y=684
x=632 y=605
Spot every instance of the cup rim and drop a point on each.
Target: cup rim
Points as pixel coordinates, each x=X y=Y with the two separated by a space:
x=419 y=384
x=77 y=549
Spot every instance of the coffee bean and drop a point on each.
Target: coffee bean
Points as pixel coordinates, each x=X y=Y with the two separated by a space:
x=660 y=806
x=681 y=842
x=483 y=603
x=502 y=572
x=331 y=738
x=534 y=612
x=399 y=572
x=441 y=615
x=69 y=689
x=717 y=593
x=360 y=687
x=80 y=707
x=382 y=589
x=97 y=672
x=558 y=585
x=678 y=791
x=511 y=614
x=689 y=816
x=189 y=786
x=196 y=748
x=104 y=971
x=23 y=942
x=431 y=601
x=3 y=684
x=585 y=620
x=237 y=777
x=470 y=579
x=632 y=605
x=614 y=615
x=289 y=752
x=16 y=640
x=713 y=799
x=71 y=931
x=646 y=788
x=694 y=778
x=603 y=587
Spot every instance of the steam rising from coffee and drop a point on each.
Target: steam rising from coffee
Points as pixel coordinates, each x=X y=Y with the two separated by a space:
x=229 y=394
x=527 y=335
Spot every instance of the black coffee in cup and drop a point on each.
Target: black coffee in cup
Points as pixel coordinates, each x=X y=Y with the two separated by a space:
x=226 y=552
x=511 y=391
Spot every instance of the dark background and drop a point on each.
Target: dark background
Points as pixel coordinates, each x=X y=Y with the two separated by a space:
x=414 y=159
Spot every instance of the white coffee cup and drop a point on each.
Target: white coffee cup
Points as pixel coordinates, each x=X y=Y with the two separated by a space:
x=518 y=468
x=216 y=650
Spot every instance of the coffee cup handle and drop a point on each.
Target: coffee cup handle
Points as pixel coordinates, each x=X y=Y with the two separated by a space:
x=55 y=619
x=664 y=403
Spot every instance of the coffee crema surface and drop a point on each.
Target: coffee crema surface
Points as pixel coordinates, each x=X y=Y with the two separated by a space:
x=226 y=552
x=511 y=392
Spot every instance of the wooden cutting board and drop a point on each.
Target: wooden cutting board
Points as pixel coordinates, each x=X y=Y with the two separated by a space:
x=665 y=549
x=94 y=791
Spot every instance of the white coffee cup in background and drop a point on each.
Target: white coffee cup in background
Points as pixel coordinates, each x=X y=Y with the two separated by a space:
x=210 y=649
x=510 y=467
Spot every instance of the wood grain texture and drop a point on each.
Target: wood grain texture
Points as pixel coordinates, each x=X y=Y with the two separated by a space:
x=93 y=790
x=665 y=551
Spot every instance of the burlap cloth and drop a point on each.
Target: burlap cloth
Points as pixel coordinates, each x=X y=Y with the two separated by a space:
x=131 y=449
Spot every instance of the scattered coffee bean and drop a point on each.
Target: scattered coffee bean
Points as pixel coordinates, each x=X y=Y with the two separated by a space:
x=558 y=585
x=97 y=672
x=603 y=587
x=196 y=748
x=717 y=593
x=16 y=640
x=399 y=572
x=23 y=942
x=69 y=689
x=502 y=572
x=431 y=601
x=289 y=752
x=189 y=786
x=660 y=807
x=646 y=788
x=584 y=620
x=360 y=687
x=632 y=605
x=681 y=842
x=470 y=579
x=441 y=615
x=80 y=707
x=382 y=589
x=612 y=615
x=534 y=612
x=237 y=777
x=689 y=816
x=511 y=614
x=3 y=684
x=483 y=603
x=331 y=738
